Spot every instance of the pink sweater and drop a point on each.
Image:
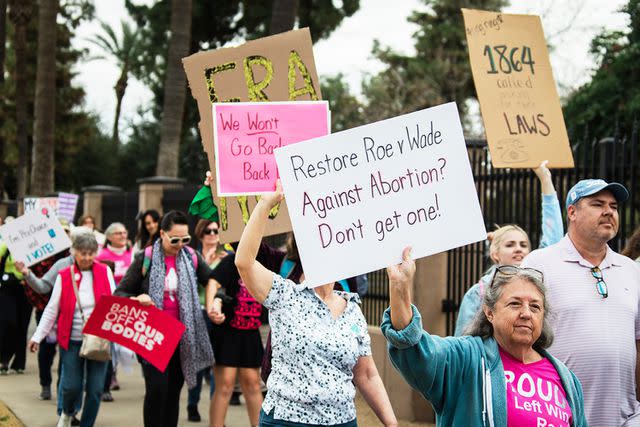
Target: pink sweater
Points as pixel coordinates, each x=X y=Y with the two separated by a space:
x=121 y=261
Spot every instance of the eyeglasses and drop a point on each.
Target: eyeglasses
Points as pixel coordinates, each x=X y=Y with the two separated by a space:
x=210 y=231
x=601 y=286
x=512 y=270
x=174 y=241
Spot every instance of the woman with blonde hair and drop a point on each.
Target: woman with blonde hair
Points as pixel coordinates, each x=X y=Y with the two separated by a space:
x=510 y=244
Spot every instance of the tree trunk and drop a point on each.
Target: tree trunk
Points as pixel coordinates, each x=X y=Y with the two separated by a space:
x=120 y=88
x=174 y=89
x=3 y=39
x=283 y=16
x=19 y=14
x=42 y=167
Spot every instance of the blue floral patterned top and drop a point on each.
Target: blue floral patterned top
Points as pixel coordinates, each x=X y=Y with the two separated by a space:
x=314 y=355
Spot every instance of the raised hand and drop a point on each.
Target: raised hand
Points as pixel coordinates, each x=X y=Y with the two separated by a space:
x=401 y=275
x=272 y=199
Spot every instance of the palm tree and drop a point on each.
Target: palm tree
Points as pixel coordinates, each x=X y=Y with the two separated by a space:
x=3 y=39
x=283 y=15
x=20 y=14
x=126 y=52
x=43 y=166
x=174 y=89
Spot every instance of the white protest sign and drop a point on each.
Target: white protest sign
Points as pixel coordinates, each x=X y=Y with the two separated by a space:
x=33 y=237
x=45 y=205
x=358 y=197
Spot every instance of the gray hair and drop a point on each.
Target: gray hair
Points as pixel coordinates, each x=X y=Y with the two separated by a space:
x=480 y=325
x=85 y=242
x=112 y=228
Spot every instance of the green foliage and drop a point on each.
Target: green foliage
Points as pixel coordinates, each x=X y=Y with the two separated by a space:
x=439 y=70
x=612 y=97
x=76 y=131
x=346 y=110
x=213 y=25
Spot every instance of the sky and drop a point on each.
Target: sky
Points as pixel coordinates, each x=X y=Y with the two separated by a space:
x=569 y=26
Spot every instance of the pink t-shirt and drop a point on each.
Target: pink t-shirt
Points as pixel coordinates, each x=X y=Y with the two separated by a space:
x=121 y=261
x=535 y=395
x=170 y=301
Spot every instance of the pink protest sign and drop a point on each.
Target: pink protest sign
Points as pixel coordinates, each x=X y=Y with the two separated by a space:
x=147 y=331
x=246 y=133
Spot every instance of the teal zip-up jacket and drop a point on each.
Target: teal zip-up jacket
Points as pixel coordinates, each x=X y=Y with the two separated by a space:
x=463 y=377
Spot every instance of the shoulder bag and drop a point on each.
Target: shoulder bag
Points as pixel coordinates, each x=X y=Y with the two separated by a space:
x=93 y=347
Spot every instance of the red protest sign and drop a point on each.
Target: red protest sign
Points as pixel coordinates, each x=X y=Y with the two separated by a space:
x=147 y=331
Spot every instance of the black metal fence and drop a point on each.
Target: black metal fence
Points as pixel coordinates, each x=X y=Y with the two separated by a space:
x=121 y=207
x=513 y=196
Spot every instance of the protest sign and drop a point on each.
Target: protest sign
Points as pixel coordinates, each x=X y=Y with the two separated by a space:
x=247 y=133
x=516 y=89
x=33 y=237
x=358 y=197
x=275 y=68
x=146 y=331
x=46 y=205
x=67 y=205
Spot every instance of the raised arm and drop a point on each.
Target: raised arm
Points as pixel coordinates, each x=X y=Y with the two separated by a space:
x=255 y=276
x=552 y=228
x=400 y=284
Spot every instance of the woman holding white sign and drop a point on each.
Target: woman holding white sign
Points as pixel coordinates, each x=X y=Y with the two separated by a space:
x=321 y=347
x=465 y=378
x=75 y=293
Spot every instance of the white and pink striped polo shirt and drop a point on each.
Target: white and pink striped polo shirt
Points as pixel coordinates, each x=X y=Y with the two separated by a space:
x=595 y=336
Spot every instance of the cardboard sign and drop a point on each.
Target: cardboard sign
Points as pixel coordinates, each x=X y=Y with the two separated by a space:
x=46 y=205
x=247 y=133
x=358 y=197
x=275 y=68
x=33 y=237
x=146 y=331
x=517 y=93
x=67 y=205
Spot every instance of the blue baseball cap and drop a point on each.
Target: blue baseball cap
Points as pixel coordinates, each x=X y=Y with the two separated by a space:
x=589 y=187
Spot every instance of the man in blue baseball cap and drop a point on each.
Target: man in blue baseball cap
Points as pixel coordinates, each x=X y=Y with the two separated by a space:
x=595 y=295
x=589 y=187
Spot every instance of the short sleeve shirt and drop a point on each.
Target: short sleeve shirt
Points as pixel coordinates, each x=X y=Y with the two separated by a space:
x=594 y=336
x=314 y=355
x=535 y=394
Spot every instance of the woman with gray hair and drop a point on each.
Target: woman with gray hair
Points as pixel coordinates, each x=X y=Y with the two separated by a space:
x=116 y=250
x=92 y=280
x=500 y=374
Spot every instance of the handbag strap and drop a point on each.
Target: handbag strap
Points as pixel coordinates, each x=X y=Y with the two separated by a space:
x=75 y=291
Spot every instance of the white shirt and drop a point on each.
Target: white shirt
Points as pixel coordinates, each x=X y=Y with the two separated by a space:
x=314 y=355
x=87 y=300
x=595 y=336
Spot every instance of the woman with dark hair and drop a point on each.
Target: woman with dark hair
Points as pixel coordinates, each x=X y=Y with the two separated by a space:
x=90 y=222
x=167 y=275
x=148 y=230
x=207 y=233
x=499 y=375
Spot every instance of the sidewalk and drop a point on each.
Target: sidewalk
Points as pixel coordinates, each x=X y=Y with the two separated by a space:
x=20 y=394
